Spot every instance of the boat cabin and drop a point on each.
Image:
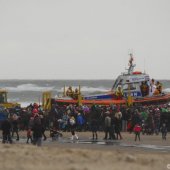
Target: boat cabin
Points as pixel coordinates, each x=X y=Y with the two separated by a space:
x=131 y=81
x=131 y=84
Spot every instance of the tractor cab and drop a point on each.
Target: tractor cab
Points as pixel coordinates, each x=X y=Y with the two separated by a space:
x=3 y=96
x=4 y=101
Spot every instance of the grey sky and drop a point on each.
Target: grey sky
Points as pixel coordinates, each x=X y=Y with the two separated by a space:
x=83 y=39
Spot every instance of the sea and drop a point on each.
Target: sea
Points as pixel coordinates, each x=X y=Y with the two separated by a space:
x=30 y=91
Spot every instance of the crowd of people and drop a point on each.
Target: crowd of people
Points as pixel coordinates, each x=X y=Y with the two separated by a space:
x=153 y=88
x=73 y=118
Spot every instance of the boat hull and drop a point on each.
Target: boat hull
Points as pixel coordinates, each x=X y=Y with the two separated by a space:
x=144 y=100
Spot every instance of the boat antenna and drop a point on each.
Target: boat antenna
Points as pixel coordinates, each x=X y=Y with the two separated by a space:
x=144 y=66
x=124 y=62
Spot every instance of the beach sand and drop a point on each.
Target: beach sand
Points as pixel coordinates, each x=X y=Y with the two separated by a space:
x=72 y=156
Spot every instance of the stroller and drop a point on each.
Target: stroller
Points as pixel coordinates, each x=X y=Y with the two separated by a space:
x=55 y=134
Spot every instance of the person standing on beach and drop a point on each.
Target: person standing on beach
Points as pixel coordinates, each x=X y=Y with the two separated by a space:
x=137 y=129
x=72 y=123
x=164 y=131
x=94 y=128
x=107 y=124
x=37 y=131
x=15 y=128
x=6 y=129
x=118 y=117
x=43 y=126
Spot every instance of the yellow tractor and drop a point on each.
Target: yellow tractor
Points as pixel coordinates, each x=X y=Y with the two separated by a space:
x=46 y=100
x=4 y=102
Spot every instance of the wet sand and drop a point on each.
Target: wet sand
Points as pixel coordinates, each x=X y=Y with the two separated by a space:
x=74 y=156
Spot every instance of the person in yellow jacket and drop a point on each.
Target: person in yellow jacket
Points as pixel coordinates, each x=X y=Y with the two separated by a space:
x=159 y=87
x=119 y=93
x=76 y=93
x=69 y=92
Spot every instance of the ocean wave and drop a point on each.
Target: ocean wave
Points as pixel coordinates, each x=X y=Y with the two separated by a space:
x=167 y=90
x=33 y=87
x=28 y=87
x=25 y=104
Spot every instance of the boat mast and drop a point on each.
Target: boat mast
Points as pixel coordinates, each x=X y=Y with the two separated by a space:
x=131 y=65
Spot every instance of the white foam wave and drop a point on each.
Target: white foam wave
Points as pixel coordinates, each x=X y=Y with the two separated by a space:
x=36 y=88
x=25 y=104
x=28 y=87
x=167 y=90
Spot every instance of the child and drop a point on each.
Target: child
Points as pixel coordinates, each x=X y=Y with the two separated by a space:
x=164 y=131
x=72 y=122
x=29 y=135
x=137 y=129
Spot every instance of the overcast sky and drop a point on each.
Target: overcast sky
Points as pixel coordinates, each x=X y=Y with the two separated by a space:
x=83 y=39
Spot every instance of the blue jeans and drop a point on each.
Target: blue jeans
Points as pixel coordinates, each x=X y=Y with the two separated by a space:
x=38 y=141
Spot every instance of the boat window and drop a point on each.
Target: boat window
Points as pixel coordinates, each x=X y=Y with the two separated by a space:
x=116 y=84
x=132 y=86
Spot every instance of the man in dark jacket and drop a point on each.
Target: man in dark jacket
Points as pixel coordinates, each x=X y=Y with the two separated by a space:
x=6 y=128
x=37 y=131
x=164 y=131
x=15 y=128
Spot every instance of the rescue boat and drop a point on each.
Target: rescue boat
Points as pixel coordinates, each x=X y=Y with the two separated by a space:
x=130 y=83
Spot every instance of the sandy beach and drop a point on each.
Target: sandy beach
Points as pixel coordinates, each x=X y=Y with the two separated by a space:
x=74 y=156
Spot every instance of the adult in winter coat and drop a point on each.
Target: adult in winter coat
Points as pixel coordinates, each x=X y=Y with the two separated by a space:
x=37 y=132
x=107 y=124
x=164 y=131
x=6 y=129
x=118 y=117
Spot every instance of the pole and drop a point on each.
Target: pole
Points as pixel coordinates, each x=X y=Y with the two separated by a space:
x=64 y=93
x=129 y=100
x=79 y=97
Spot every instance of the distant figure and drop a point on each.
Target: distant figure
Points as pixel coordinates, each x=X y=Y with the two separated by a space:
x=137 y=129
x=80 y=122
x=107 y=124
x=37 y=132
x=159 y=87
x=75 y=94
x=43 y=126
x=141 y=88
x=119 y=93
x=144 y=89
x=15 y=126
x=69 y=92
x=152 y=87
x=6 y=128
x=118 y=120
x=164 y=131
x=94 y=128
x=72 y=123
